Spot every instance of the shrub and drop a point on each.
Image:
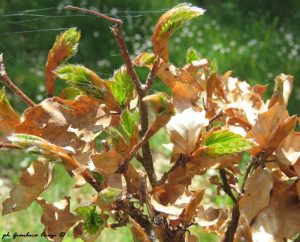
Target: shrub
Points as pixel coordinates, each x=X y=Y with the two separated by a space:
x=212 y=120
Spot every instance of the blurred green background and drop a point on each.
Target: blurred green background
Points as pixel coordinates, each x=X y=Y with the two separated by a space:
x=256 y=39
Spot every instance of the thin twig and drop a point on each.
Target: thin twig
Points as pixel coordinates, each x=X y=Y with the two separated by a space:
x=8 y=146
x=92 y=12
x=165 y=176
x=8 y=82
x=152 y=74
x=226 y=186
x=247 y=173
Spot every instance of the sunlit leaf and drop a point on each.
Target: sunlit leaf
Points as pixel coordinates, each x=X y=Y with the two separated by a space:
x=223 y=142
x=144 y=59
x=168 y=23
x=192 y=55
x=121 y=86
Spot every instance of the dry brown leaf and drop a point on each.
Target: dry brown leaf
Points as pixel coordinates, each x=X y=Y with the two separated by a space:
x=133 y=179
x=190 y=211
x=282 y=131
x=265 y=127
x=185 y=128
x=243 y=232
x=9 y=119
x=34 y=180
x=57 y=218
x=280 y=220
x=211 y=219
x=258 y=185
x=288 y=152
x=184 y=86
x=107 y=162
x=138 y=233
x=167 y=193
x=283 y=90
x=174 y=210
x=67 y=123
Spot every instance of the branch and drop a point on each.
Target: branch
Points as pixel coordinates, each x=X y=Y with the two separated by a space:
x=152 y=74
x=178 y=162
x=117 y=32
x=231 y=230
x=92 y=12
x=226 y=186
x=8 y=82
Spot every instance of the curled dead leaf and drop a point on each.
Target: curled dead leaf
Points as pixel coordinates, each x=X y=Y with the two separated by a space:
x=57 y=218
x=34 y=180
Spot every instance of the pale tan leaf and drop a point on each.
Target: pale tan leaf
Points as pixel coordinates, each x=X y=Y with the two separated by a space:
x=67 y=123
x=185 y=128
x=34 y=180
x=107 y=162
x=243 y=232
x=257 y=186
x=265 y=127
x=280 y=220
x=288 y=152
x=57 y=218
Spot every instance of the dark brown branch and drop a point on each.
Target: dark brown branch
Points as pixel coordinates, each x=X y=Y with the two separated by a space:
x=8 y=82
x=226 y=186
x=231 y=230
x=247 y=173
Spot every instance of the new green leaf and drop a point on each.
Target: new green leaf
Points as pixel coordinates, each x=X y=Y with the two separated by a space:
x=192 y=55
x=92 y=220
x=121 y=86
x=65 y=46
x=168 y=23
x=224 y=142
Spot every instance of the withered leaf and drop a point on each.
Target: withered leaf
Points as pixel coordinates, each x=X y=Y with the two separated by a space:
x=67 y=123
x=265 y=127
x=243 y=232
x=138 y=233
x=288 y=152
x=34 y=180
x=108 y=161
x=257 y=186
x=57 y=217
x=9 y=119
x=190 y=211
x=280 y=220
x=185 y=128
x=212 y=219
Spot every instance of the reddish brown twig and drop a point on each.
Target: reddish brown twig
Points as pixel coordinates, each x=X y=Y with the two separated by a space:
x=8 y=82
x=8 y=146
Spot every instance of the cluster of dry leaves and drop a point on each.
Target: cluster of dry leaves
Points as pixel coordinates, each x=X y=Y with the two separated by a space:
x=212 y=120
